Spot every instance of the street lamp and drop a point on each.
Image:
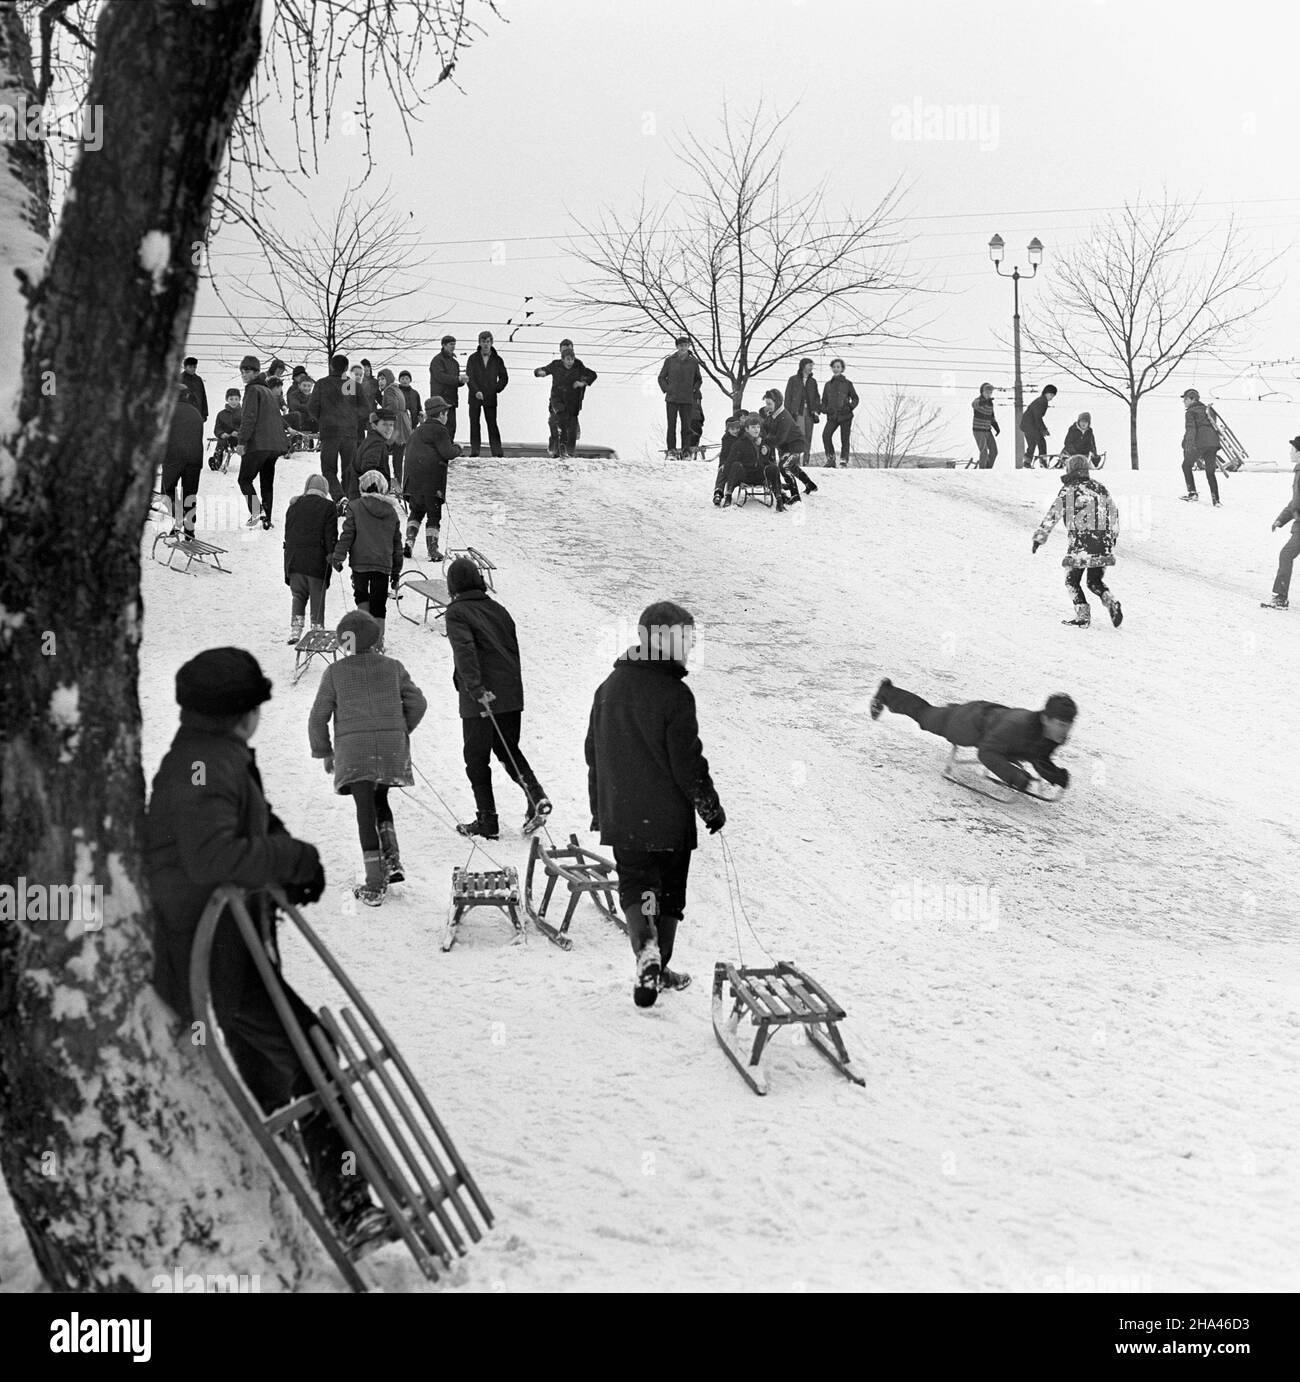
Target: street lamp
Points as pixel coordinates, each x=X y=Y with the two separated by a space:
x=997 y=248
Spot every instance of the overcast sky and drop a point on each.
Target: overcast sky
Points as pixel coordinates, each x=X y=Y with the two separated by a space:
x=564 y=109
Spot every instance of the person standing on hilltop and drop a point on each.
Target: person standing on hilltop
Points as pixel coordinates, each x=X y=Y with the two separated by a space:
x=985 y=427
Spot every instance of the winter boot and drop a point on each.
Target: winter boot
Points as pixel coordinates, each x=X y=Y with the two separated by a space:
x=671 y=980
x=1082 y=617
x=810 y=488
x=1116 y=612
x=379 y=646
x=372 y=891
x=646 y=988
x=295 y=628
x=728 y=500
x=539 y=807
x=484 y=826
x=717 y=498
x=878 y=700
x=254 y=516
x=393 y=871
x=431 y=543
x=1277 y=602
x=1190 y=498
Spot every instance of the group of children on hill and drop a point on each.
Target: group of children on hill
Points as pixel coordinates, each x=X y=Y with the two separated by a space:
x=763 y=450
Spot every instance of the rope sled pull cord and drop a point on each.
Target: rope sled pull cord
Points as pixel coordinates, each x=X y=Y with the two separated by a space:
x=450 y=819
x=732 y=875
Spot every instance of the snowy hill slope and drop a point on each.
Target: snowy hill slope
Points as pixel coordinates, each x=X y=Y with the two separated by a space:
x=1080 y=1057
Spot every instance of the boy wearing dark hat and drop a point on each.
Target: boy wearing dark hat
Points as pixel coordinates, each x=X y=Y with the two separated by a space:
x=445 y=379
x=1286 y=557
x=570 y=379
x=374 y=452
x=1005 y=738
x=209 y=824
x=489 y=678
x=1033 y=427
x=646 y=778
x=1201 y=442
x=733 y=426
x=425 y=479
x=226 y=431
x=191 y=380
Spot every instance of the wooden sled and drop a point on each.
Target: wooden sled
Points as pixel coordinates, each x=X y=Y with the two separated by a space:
x=495 y=888
x=432 y=590
x=479 y=560
x=975 y=777
x=370 y=1095
x=584 y=872
x=193 y=550
x=742 y=494
x=782 y=996
x=315 y=643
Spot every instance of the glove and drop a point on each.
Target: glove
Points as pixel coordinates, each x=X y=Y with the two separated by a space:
x=337 y=565
x=393 y=584
x=1275 y=527
x=1056 y=777
x=308 y=884
x=1037 y=544
x=714 y=818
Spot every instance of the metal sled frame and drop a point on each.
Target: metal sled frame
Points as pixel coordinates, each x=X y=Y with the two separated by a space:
x=360 y=1086
x=586 y=873
x=433 y=590
x=194 y=550
x=989 y=785
x=484 y=565
x=781 y=996
x=315 y=643
x=744 y=492
x=494 y=888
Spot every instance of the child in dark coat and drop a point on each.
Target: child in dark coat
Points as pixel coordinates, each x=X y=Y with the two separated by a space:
x=647 y=777
x=489 y=677
x=375 y=707
x=428 y=451
x=311 y=532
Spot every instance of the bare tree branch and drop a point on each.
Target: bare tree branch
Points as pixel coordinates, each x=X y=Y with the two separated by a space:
x=901 y=426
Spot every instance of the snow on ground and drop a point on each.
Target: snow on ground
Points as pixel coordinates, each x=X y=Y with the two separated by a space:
x=1080 y=1057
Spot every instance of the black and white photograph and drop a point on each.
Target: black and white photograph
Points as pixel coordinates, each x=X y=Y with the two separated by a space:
x=647 y=650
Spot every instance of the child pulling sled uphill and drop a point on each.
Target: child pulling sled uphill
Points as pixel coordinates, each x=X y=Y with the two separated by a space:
x=1092 y=521
x=375 y=707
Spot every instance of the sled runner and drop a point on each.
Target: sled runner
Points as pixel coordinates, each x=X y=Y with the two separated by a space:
x=495 y=888
x=434 y=591
x=321 y=643
x=975 y=777
x=584 y=872
x=743 y=494
x=364 y=1085
x=193 y=551
x=782 y=996
x=479 y=560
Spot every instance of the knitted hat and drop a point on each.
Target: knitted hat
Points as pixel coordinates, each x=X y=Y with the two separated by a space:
x=316 y=484
x=299 y=369
x=222 y=681
x=251 y=362
x=373 y=482
x=357 y=631
x=1078 y=465
x=1061 y=707
x=462 y=575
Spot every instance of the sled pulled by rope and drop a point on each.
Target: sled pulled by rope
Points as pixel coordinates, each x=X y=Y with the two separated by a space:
x=433 y=590
x=584 y=872
x=494 y=888
x=367 y=1090
x=975 y=777
x=781 y=996
x=193 y=550
x=315 y=643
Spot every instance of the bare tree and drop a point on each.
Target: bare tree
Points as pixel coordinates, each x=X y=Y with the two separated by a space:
x=1145 y=296
x=336 y=285
x=900 y=426
x=753 y=275
x=122 y=1160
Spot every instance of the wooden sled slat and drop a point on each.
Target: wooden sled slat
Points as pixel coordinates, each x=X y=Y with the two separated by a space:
x=584 y=873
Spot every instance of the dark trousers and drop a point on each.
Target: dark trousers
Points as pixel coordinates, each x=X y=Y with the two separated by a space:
x=396 y=456
x=259 y=466
x=483 y=737
x=336 y=447
x=187 y=477
x=676 y=410
x=1208 y=456
x=451 y=422
x=262 y=1052
x=1035 y=445
x=1096 y=583
x=564 y=429
x=373 y=810
x=790 y=467
x=371 y=590
x=417 y=512
x=489 y=412
x=652 y=894
x=1285 y=560
x=737 y=475
x=303 y=588
x=988 y=449
x=932 y=718
x=843 y=427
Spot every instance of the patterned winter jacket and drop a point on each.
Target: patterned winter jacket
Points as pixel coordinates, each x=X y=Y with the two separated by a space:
x=375 y=707
x=1091 y=519
x=984 y=420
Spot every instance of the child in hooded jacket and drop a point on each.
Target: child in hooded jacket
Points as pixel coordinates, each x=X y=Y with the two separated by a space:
x=371 y=541
x=311 y=533
x=1092 y=521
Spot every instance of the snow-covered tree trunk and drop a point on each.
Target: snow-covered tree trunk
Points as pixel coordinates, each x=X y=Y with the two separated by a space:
x=123 y=1158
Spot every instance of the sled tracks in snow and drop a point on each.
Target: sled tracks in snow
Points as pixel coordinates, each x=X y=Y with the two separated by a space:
x=362 y=1082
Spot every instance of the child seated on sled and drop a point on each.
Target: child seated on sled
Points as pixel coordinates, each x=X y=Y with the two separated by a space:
x=734 y=425
x=226 y=430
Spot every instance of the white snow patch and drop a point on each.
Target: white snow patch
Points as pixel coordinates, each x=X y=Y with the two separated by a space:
x=156 y=256
x=70 y=1003
x=64 y=707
